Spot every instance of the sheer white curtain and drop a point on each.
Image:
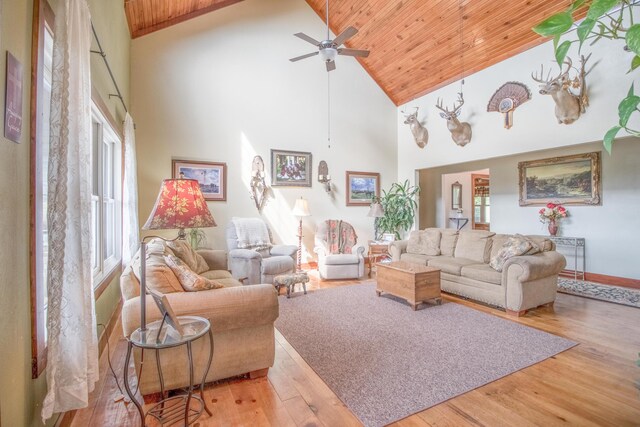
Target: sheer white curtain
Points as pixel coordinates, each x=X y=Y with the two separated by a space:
x=130 y=231
x=72 y=359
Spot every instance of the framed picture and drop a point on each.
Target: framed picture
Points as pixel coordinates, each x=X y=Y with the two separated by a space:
x=362 y=187
x=167 y=312
x=388 y=237
x=211 y=176
x=290 y=169
x=568 y=180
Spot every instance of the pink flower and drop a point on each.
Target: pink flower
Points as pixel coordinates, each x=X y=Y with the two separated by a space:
x=551 y=205
x=541 y=211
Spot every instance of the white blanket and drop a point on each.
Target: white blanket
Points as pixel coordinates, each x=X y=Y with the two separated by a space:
x=252 y=233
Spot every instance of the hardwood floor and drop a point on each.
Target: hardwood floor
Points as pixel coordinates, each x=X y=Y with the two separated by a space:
x=591 y=384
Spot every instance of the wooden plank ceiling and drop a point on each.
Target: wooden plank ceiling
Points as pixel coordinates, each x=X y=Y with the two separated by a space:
x=147 y=16
x=417 y=46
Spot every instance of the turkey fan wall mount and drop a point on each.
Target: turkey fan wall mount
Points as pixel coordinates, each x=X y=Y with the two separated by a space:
x=329 y=49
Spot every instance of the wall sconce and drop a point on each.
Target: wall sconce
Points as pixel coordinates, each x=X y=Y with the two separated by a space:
x=323 y=176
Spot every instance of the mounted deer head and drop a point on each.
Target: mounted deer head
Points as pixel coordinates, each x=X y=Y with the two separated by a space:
x=569 y=106
x=460 y=131
x=420 y=133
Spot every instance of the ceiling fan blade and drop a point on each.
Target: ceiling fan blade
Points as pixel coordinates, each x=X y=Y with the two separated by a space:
x=353 y=52
x=306 y=38
x=331 y=65
x=345 y=35
x=308 y=55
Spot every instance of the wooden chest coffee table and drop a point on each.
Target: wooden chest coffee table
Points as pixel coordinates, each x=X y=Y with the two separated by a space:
x=413 y=282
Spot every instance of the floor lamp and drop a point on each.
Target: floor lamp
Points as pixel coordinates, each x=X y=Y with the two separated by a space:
x=300 y=209
x=179 y=205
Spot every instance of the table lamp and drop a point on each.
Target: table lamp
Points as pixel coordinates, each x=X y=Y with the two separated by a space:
x=300 y=209
x=180 y=205
x=376 y=211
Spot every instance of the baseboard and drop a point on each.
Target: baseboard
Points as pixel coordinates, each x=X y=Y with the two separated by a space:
x=106 y=333
x=612 y=280
x=65 y=420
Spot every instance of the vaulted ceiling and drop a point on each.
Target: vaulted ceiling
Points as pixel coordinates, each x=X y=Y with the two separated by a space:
x=417 y=46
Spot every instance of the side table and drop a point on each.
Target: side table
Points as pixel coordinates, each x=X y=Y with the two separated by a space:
x=377 y=250
x=169 y=410
x=574 y=243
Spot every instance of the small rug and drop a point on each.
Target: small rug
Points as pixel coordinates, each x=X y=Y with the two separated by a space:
x=615 y=294
x=386 y=362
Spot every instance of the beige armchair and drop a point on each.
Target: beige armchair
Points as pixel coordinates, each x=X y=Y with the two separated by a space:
x=339 y=255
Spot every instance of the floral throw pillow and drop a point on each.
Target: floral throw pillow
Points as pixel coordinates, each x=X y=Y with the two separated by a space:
x=514 y=246
x=190 y=281
x=183 y=250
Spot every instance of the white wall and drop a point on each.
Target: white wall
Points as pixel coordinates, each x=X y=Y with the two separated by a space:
x=221 y=88
x=535 y=126
x=464 y=178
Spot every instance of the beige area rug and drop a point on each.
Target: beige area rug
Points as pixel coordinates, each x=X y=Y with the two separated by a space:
x=386 y=362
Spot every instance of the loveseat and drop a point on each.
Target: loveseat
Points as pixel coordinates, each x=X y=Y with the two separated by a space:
x=525 y=282
x=242 y=319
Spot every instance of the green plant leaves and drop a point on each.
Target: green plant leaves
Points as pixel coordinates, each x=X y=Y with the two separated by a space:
x=554 y=25
x=627 y=107
x=584 y=29
x=609 y=137
x=633 y=38
x=599 y=7
x=561 y=52
x=635 y=63
x=399 y=208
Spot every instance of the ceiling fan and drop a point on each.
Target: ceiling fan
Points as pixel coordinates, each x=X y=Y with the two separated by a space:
x=328 y=49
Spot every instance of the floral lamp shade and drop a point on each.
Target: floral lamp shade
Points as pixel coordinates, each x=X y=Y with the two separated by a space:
x=180 y=204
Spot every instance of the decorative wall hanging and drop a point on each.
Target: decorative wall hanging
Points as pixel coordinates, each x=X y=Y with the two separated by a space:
x=211 y=176
x=460 y=131
x=259 y=188
x=323 y=176
x=570 y=180
x=290 y=168
x=510 y=96
x=362 y=188
x=420 y=133
x=569 y=106
x=13 y=100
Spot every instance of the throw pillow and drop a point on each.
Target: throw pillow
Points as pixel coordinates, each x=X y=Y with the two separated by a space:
x=190 y=281
x=158 y=275
x=430 y=242
x=413 y=245
x=183 y=250
x=515 y=246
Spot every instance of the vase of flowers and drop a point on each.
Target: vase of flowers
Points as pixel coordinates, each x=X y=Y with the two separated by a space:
x=551 y=215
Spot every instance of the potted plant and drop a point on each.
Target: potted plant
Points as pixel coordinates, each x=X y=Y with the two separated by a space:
x=399 y=204
x=197 y=238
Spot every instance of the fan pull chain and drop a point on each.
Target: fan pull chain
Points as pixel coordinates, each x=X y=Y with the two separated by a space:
x=329 y=109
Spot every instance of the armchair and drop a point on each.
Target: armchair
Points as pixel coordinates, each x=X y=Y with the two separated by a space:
x=339 y=255
x=252 y=256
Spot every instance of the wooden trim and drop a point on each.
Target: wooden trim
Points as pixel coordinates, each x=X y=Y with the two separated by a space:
x=472 y=213
x=43 y=16
x=104 y=283
x=612 y=280
x=118 y=128
x=348 y=188
x=168 y=23
x=65 y=419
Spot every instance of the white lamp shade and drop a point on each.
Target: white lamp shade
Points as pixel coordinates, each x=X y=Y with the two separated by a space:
x=328 y=54
x=376 y=210
x=301 y=208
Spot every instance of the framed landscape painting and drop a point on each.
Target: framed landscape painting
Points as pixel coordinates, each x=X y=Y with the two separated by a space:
x=362 y=187
x=211 y=176
x=290 y=169
x=568 y=180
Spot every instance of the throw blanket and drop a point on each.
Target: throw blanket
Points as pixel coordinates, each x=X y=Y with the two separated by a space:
x=341 y=237
x=252 y=233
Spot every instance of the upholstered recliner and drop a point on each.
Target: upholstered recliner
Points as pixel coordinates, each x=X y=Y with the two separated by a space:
x=339 y=255
x=252 y=256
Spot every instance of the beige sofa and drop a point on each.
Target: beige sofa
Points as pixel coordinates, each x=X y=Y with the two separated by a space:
x=526 y=281
x=241 y=317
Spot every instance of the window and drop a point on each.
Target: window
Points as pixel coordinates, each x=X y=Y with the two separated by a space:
x=481 y=202
x=106 y=157
x=40 y=102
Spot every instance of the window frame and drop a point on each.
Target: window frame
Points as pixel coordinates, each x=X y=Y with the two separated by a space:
x=43 y=20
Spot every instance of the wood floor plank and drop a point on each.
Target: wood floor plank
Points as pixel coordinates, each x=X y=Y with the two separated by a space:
x=591 y=384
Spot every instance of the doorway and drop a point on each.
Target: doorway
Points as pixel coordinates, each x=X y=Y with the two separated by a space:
x=480 y=202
